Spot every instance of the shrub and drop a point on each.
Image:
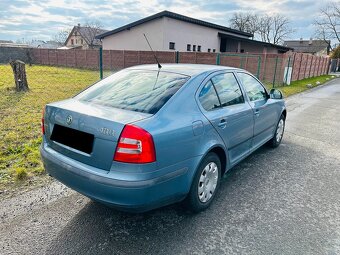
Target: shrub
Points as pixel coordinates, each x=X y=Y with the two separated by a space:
x=336 y=53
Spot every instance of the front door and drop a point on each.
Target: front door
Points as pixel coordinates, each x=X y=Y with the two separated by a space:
x=263 y=109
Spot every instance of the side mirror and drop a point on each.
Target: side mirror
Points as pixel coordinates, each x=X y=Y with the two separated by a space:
x=275 y=94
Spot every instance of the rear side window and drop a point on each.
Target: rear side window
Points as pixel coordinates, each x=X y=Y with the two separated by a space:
x=208 y=97
x=135 y=90
x=228 y=89
x=254 y=89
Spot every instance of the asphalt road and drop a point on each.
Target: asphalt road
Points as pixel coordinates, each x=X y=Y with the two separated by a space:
x=281 y=201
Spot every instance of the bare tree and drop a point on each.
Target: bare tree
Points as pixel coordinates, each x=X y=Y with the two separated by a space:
x=264 y=29
x=280 y=28
x=61 y=36
x=271 y=29
x=327 y=23
x=246 y=22
x=240 y=21
x=253 y=25
x=93 y=28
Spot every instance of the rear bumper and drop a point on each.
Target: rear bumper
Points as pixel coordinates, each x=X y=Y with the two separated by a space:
x=134 y=196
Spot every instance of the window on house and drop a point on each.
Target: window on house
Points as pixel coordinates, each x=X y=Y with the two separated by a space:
x=171 y=45
x=188 y=47
x=72 y=41
x=199 y=48
x=76 y=41
x=209 y=50
x=242 y=50
x=194 y=48
x=82 y=41
x=214 y=50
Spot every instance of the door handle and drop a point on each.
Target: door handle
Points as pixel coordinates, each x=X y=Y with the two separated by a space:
x=222 y=124
x=257 y=112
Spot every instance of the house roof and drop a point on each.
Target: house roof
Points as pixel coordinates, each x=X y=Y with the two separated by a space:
x=279 y=47
x=86 y=34
x=173 y=16
x=308 y=46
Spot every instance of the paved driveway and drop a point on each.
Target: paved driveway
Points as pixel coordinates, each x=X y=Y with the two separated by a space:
x=282 y=201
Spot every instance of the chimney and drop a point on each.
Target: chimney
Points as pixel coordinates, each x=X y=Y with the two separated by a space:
x=310 y=41
x=78 y=24
x=301 y=40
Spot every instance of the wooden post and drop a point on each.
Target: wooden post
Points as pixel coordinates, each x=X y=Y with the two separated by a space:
x=19 y=75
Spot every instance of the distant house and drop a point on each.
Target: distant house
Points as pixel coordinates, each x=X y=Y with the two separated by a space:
x=168 y=31
x=315 y=47
x=84 y=37
x=44 y=44
x=6 y=41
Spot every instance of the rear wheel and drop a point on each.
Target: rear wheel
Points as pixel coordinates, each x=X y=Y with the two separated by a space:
x=280 y=128
x=205 y=184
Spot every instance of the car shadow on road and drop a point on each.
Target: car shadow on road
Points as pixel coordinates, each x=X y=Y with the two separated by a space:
x=97 y=229
x=249 y=204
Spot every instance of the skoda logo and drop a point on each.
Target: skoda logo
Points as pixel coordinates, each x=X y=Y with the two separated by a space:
x=69 y=120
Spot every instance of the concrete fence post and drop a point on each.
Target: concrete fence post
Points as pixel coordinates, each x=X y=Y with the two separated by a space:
x=258 y=67
x=311 y=64
x=287 y=72
x=275 y=69
x=123 y=58
x=101 y=63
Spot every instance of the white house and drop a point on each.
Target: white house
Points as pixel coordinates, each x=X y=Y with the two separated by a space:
x=169 y=31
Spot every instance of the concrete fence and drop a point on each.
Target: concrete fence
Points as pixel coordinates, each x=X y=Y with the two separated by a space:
x=268 y=67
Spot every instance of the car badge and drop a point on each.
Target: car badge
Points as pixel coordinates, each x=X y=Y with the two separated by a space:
x=69 y=120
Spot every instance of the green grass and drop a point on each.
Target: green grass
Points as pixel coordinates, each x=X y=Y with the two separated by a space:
x=301 y=85
x=20 y=116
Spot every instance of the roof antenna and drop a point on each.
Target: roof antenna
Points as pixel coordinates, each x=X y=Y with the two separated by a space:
x=159 y=65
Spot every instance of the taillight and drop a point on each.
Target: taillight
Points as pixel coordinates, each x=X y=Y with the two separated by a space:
x=135 y=145
x=43 y=122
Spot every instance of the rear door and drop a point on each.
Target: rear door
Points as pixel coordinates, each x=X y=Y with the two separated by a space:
x=224 y=105
x=265 y=114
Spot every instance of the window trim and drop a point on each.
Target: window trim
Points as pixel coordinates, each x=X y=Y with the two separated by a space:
x=209 y=79
x=240 y=82
x=242 y=93
x=218 y=98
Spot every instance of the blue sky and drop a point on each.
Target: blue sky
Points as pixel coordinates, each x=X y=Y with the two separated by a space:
x=31 y=19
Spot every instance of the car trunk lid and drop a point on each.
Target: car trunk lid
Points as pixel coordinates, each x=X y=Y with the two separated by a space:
x=87 y=132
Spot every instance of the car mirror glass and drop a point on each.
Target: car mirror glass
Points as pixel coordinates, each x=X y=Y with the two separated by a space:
x=275 y=94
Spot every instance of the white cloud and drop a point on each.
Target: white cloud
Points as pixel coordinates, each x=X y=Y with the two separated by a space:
x=46 y=17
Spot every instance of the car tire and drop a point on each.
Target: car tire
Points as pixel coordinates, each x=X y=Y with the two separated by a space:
x=205 y=184
x=279 y=131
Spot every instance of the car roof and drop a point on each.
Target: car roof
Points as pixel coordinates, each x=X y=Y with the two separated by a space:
x=186 y=69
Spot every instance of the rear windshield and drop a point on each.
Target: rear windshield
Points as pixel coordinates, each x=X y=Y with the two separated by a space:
x=135 y=90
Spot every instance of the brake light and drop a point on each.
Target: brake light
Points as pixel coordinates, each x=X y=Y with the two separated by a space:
x=43 y=122
x=135 y=145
